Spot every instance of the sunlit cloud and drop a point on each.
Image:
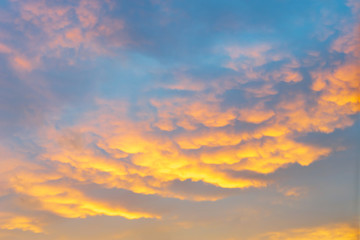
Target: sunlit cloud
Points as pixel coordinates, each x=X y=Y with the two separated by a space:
x=337 y=231
x=116 y=110
x=62 y=31
x=20 y=222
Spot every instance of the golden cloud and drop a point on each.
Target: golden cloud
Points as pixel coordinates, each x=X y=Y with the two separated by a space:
x=196 y=137
x=11 y=222
x=335 y=231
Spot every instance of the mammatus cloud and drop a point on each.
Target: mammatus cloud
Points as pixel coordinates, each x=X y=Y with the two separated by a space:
x=200 y=140
x=224 y=133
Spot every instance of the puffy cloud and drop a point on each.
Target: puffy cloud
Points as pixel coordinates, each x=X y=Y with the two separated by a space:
x=203 y=135
x=251 y=60
x=116 y=152
x=192 y=137
x=53 y=30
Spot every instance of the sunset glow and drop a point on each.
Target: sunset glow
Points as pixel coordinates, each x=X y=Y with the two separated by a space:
x=183 y=120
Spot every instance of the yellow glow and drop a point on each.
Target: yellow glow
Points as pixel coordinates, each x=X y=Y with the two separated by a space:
x=20 y=222
x=338 y=232
x=68 y=202
x=183 y=132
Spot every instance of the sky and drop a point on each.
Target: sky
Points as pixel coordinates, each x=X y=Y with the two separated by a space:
x=173 y=120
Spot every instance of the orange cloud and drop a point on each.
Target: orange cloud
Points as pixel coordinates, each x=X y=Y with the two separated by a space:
x=138 y=159
x=248 y=60
x=9 y=222
x=339 y=87
x=188 y=138
x=268 y=155
x=335 y=231
x=5 y=49
x=74 y=35
x=22 y=63
x=66 y=201
x=210 y=138
x=87 y=13
x=255 y=115
x=58 y=31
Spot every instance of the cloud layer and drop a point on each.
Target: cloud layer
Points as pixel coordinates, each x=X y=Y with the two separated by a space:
x=118 y=109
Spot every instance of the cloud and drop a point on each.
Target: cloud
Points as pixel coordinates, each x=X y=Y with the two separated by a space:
x=22 y=63
x=66 y=201
x=116 y=152
x=53 y=30
x=4 y=48
x=189 y=131
x=336 y=231
x=194 y=137
x=20 y=222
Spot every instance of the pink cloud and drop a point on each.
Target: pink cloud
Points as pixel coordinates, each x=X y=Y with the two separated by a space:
x=5 y=49
x=55 y=30
x=22 y=63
